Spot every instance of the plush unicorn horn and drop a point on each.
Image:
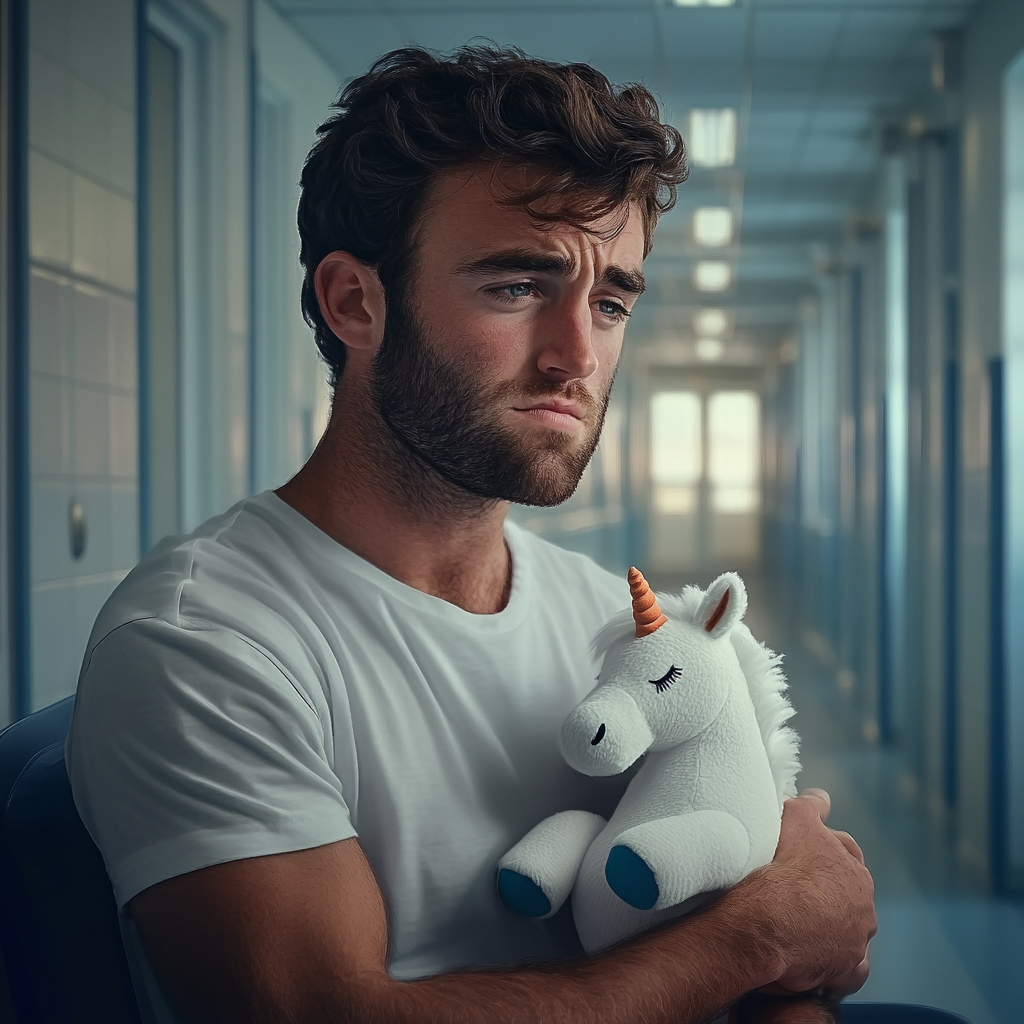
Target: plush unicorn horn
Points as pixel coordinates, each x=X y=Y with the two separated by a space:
x=646 y=613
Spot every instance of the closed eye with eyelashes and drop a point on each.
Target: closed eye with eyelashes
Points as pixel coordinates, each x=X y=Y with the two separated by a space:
x=662 y=684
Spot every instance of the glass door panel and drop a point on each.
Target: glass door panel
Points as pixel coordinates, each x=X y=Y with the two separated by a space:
x=705 y=468
x=677 y=467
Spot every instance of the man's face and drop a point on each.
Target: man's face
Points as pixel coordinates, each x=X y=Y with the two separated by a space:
x=498 y=358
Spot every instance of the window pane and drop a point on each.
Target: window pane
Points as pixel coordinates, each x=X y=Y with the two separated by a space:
x=675 y=438
x=735 y=499
x=734 y=450
x=673 y=500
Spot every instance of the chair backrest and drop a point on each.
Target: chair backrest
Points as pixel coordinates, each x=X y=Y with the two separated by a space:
x=59 y=933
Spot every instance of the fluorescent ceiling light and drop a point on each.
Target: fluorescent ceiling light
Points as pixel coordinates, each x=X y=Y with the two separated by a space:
x=712 y=225
x=711 y=322
x=704 y=3
x=709 y=350
x=712 y=137
x=712 y=276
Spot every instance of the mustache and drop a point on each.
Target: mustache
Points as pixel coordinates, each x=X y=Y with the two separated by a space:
x=571 y=391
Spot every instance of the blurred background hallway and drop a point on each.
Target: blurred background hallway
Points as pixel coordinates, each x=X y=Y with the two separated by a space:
x=944 y=938
x=823 y=387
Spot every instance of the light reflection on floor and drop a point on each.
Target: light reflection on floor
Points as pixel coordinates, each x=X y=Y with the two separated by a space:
x=942 y=940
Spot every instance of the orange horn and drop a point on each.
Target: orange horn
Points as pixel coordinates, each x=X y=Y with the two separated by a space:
x=646 y=613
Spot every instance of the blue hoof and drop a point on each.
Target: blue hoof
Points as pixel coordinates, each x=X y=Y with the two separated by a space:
x=630 y=878
x=522 y=894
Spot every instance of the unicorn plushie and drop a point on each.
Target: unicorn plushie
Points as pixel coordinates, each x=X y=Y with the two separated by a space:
x=705 y=702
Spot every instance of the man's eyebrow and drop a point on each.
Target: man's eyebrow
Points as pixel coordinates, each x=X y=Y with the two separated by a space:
x=530 y=261
x=631 y=281
x=519 y=260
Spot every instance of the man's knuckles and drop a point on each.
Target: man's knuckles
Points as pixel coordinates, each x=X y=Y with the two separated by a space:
x=850 y=843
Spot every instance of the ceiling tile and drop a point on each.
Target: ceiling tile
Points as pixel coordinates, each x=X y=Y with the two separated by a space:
x=798 y=79
x=879 y=34
x=875 y=82
x=556 y=35
x=799 y=35
x=703 y=33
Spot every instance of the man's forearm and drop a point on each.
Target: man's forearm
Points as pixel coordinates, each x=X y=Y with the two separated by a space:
x=277 y=943
x=686 y=972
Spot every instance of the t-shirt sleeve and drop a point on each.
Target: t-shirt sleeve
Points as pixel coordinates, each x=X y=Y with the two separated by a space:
x=191 y=747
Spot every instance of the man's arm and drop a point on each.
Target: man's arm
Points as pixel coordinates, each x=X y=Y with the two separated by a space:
x=302 y=937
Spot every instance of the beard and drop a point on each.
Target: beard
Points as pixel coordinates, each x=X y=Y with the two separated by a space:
x=449 y=423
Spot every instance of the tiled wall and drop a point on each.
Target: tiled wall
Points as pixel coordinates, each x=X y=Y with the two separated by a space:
x=84 y=408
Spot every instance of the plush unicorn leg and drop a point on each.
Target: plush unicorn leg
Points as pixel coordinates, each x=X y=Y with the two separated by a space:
x=661 y=863
x=538 y=873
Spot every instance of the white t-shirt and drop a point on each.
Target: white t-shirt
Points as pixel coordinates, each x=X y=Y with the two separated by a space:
x=257 y=688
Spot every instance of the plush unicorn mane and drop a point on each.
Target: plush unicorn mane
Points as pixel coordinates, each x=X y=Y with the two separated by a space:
x=762 y=669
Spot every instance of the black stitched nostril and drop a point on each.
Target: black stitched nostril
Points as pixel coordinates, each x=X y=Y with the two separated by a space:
x=600 y=736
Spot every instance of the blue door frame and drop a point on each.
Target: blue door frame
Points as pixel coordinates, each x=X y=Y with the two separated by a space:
x=19 y=540
x=142 y=261
x=998 y=781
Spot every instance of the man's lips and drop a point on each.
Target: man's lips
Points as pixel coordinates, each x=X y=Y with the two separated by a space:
x=553 y=413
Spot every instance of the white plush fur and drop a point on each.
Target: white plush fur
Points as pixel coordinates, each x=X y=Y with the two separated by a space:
x=704 y=808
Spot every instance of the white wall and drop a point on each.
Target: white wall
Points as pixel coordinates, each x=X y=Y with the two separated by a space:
x=215 y=243
x=224 y=405
x=297 y=87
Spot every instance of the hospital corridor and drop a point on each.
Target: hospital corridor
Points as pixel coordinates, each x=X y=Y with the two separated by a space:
x=821 y=388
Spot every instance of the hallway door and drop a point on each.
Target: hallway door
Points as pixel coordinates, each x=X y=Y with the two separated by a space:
x=705 y=479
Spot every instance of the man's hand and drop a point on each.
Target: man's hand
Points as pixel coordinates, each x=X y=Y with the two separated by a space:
x=824 y=900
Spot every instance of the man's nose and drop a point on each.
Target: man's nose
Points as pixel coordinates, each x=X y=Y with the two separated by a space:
x=567 y=345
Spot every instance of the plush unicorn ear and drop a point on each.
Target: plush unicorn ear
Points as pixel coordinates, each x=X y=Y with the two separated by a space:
x=722 y=606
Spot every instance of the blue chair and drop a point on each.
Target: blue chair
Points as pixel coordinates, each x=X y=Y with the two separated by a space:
x=59 y=934
x=897 y=1013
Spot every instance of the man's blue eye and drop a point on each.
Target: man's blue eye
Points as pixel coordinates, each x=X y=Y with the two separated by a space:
x=613 y=308
x=519 y=291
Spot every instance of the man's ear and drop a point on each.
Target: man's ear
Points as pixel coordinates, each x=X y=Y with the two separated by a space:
x=351 y=300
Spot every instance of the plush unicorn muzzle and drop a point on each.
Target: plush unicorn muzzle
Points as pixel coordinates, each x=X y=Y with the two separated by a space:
x=605 y=734
x=704 y=701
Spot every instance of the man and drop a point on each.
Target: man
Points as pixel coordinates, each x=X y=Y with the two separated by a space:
x=305 y=734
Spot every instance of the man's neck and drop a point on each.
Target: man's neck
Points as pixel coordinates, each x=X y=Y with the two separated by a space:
x=365 y=490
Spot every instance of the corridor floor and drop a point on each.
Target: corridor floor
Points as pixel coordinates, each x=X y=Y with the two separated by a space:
x=942 y=940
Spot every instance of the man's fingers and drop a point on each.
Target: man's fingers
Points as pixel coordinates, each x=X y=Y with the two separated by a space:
x=850 y=843
x=854 y=981
x=819 y=799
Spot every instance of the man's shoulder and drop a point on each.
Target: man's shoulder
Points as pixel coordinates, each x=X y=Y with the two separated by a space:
x=204 y=574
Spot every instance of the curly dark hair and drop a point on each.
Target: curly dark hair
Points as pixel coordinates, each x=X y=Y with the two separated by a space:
x=414 y=114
